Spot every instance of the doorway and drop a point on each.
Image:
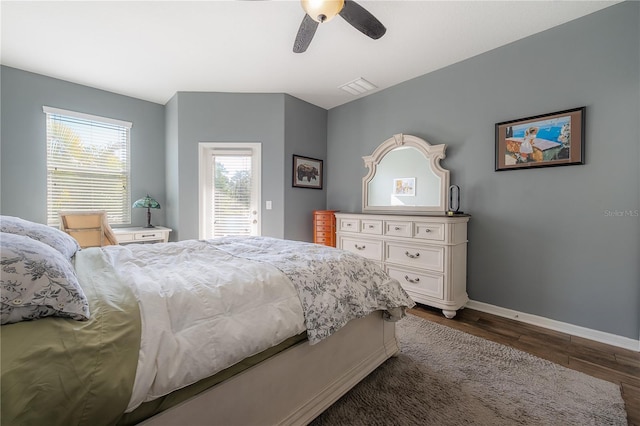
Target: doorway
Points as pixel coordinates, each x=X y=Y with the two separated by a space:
x=229 y=189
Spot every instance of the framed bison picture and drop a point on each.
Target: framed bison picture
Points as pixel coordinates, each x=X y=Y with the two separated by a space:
x=307 y=172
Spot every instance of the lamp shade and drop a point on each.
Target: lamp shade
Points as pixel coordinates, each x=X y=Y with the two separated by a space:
x=146 y=202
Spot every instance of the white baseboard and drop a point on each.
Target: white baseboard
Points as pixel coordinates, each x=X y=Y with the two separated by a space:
x=575 y=330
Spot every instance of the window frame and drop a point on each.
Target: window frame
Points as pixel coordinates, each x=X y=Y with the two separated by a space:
x=123 y=216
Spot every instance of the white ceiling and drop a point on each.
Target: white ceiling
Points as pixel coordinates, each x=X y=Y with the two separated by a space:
x=153 y=49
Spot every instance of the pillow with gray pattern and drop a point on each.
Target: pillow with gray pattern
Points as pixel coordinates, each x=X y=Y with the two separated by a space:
x=37 y=281
x=59 y=240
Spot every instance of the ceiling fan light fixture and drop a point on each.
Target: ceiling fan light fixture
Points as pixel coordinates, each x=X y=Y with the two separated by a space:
x=322 y=10
x=319 y=11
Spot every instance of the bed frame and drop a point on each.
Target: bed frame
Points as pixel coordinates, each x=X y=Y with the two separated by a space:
x=294 y=386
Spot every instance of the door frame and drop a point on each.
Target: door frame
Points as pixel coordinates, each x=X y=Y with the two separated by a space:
x=205 y=149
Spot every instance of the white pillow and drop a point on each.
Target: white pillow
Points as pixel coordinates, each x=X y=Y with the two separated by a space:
x=59 y=240
x=37 y=281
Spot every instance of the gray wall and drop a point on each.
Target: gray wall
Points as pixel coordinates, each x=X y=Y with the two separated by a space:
x=540 y=241
x=306 y=135
x=281 y=123
x=223 y=117
x=23 y=183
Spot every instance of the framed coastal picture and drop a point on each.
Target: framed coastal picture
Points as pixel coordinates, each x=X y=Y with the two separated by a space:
x=404 y=186
x=307 y=172
x=555 y=139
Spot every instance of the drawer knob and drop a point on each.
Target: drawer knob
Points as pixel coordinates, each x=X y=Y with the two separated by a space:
x=414 y=281
x=147 y=235
x=348 y=224
x=371 y=226
x=360 y=247
x=427 y=230
x=412 y=256
x=397 y=228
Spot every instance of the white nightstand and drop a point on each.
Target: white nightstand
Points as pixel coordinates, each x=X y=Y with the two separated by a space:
x=139 y=234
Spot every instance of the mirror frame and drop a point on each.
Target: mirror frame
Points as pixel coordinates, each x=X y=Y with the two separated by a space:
x=433 y=154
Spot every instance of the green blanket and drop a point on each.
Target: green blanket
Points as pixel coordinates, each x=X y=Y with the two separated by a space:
x=58 y=371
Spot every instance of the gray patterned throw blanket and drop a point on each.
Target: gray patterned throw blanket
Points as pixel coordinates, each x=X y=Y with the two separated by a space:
x=334 y=286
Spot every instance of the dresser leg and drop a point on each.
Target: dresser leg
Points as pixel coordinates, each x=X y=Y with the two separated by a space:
x=449 y=314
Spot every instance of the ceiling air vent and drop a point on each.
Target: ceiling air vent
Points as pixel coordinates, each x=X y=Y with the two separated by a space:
x=358 y=86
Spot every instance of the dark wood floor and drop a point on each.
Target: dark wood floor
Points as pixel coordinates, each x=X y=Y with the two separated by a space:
x=611 y=363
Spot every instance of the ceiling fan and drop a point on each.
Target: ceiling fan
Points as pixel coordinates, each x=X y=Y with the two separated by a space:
x=320 y=11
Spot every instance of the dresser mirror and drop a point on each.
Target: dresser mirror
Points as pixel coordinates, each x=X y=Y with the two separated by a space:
x=404 y=176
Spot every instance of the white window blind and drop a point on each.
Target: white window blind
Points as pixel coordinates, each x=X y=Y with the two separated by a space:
x=232 y=195
x=88 y=165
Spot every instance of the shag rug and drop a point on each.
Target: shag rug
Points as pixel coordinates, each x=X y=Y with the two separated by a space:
x=446 y=377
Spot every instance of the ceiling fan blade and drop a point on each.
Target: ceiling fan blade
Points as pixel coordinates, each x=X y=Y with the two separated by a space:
x=362 y=20
x=305 y=34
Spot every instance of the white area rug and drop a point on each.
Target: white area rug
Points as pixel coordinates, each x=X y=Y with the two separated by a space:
x=447 y=377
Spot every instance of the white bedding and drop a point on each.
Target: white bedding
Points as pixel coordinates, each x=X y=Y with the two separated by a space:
x=206 y=305
x=202 y=310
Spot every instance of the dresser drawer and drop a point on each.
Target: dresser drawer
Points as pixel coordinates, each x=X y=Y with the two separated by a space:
x=326 y=241
x=125 y=238
x=323 y=234
x=424 y=283
x=349 y=225
x=324 y=223
x=371 y=227
x=366 y=248
x=148 y=235
x=427 y=257
x=429 y=231
x=398 y=229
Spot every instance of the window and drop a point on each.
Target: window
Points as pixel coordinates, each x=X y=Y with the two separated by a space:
x=229 y=189
x=87 y=165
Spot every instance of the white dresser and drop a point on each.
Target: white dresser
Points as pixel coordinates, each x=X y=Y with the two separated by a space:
x=427 y=254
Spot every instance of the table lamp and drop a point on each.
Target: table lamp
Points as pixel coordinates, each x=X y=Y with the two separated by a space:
x=148 y=203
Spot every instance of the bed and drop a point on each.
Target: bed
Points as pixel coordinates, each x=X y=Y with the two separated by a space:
x=234 y=330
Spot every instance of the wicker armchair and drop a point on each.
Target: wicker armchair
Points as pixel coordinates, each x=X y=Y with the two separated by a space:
x=89 y=228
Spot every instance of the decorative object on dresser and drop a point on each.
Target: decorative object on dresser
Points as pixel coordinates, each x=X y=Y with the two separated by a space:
x=307 y=172
x=148 y=203
x=555 y=139
x=427 y=254
x=139 y=234
x=324 y=227
x=454 y=200
x=420 y=245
